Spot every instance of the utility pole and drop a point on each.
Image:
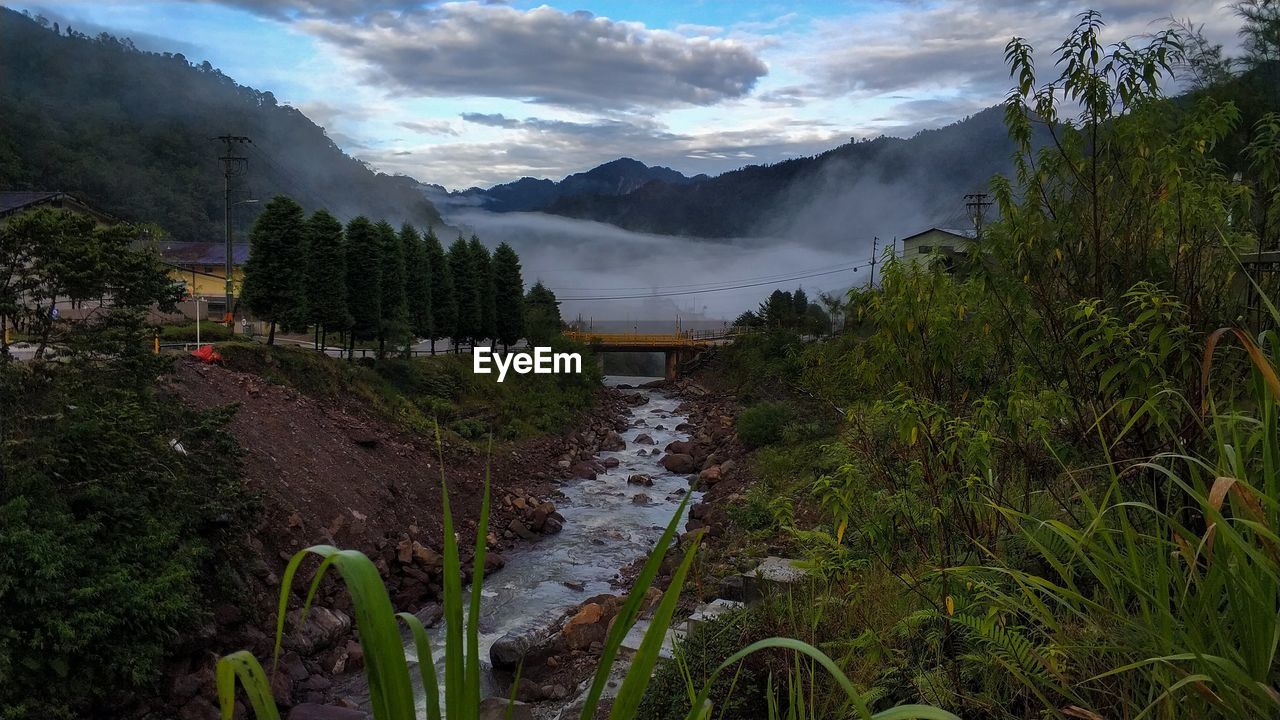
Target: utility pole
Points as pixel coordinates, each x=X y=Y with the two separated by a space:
x=233 y=165
x=875 y=247
x=976 y=204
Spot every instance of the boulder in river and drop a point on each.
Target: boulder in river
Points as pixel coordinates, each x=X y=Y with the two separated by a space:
x=613 y=442
x=681 y=447
x=643 y=439
x=640 y=479
x=679 y=463
x=611 y=462
x=585 y=627
x=584 y=471
x=639 y=499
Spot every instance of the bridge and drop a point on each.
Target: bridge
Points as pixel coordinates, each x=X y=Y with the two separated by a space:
x=679 y=347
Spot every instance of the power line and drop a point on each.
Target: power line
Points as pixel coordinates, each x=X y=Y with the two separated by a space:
x=720 y=289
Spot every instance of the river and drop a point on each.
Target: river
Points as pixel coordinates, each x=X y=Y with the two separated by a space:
x=603 y=532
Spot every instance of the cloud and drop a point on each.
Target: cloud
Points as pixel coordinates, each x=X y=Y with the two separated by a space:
x=334 y=9
x=541 y=55
x=428 y=127
x=547 y=147
x=957 y=47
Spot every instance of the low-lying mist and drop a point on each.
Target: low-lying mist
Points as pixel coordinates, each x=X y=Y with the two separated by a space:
x=585 y=261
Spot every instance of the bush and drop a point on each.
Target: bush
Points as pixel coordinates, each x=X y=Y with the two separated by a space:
x=111 y=538
x=186 y=332
x=703 y=649
x=762 y=424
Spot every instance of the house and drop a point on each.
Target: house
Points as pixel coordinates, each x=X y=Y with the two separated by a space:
x=937 y=245
x=13 y=202
x=201 y=267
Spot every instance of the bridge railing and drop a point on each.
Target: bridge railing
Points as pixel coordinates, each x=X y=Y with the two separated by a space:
x=683 y=338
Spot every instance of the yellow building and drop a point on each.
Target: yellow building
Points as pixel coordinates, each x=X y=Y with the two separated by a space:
x=201 y=267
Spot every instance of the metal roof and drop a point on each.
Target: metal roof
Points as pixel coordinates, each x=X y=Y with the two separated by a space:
x=958 y=233
x=202 y=253
x=12 y=201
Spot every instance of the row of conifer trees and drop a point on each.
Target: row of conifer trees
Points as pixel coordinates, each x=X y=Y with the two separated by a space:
x=369 y=283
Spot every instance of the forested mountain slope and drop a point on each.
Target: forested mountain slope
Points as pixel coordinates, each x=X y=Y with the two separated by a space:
x=131 y=131
x=921 y=179
x=617 y=177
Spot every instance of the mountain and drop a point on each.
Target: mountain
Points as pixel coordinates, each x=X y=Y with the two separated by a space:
x=131 y=133
x=616 y=178
x=886 y=185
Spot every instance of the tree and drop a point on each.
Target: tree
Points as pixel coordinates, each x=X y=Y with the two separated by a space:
x=799 y=303
x=274 y=276
x=364 y=286
x=466 y=289
x=541 y=315
x=417 y=285
x=487 y=327
x=508 y=294
x=326 y=280
x=444 y=302
x=778 y=310
x=393 y=309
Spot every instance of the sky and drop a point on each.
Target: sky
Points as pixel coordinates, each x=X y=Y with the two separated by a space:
x=477 y=93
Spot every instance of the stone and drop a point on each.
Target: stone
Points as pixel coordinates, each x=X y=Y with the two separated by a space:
x=611 y=462
x=659 y=427
x=227 y=615
x=681 y=447
x=322 y=629
x=293 y=665
x=584 y=471
x=282 y=688
x=575 y=585
x=313 y=711
x=640 y=479
x=726 y=468
x=642 y=452
x=496 y=708
x=553 y=525
x=426 y=557
x=520 y=530
x=613 y=442
x=643 y=439
x=317 y=683
x=710 y=476
x=700 y=511
x=679 y=463
x=355 y=656
x=639 y=499
x=185 y=686
x=493 y=562
x=199 y=709
x=585 y=627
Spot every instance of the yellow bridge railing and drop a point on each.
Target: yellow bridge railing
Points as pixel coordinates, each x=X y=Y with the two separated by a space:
x=683 y=339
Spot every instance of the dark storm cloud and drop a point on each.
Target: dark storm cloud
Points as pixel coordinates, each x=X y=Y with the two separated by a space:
x=541 y=55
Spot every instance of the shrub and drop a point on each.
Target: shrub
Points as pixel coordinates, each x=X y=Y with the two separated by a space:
x=762 y=424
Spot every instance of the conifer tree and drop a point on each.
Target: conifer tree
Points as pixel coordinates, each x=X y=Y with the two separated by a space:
x=444 y=304
x=417 y=284
x=542 y=314
x=508 y=295
x=394 y=309
x=326 y=281
x=484 y=290
x=466 y=291
x=364 y=287
x=274 y=276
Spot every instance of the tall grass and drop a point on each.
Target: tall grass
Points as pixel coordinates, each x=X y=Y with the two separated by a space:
x=1163 y=600
x=387 y=670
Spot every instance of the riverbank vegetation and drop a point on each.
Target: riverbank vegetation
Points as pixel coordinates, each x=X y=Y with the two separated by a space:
x=1044 y=485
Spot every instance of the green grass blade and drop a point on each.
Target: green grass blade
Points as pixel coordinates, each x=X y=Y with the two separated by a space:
x=387 y=671
x=629 y=611
x=455 y=692
x=477 y=581
x=637 y=679
x=426 y=663
x=914 y=712
x=244 y=666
